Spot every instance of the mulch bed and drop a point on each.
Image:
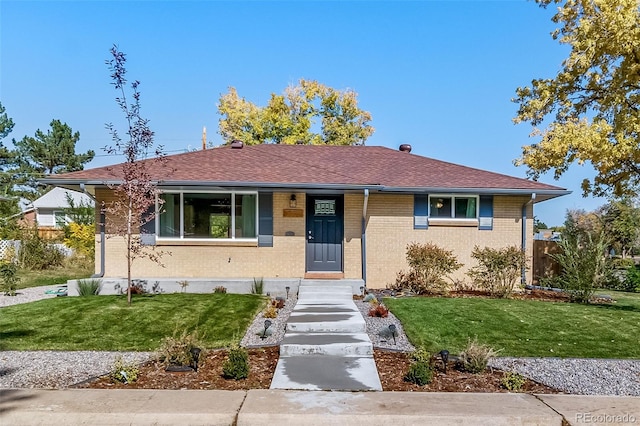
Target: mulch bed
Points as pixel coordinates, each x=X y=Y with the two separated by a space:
x=391 y=369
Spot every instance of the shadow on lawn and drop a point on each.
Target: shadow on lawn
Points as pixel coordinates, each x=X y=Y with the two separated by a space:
x=12 y=334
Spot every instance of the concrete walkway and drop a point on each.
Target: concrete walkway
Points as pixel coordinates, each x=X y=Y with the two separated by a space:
x=72 y=407
x=326 y=346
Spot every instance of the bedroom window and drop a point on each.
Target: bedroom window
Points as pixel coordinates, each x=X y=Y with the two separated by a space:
x=208 y=215
x=453 y=207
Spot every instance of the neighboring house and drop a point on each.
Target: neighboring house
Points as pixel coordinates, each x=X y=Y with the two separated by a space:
x=296 y=211
x=48 y=211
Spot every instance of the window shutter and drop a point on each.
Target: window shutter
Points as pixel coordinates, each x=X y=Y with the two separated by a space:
x=148 y=230
x=265 y=219
x=420 y=211
x=485 y=217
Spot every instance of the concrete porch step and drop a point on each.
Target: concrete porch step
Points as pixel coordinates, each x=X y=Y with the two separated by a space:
x=331 y=344
x=335 y=318
x=322 y=372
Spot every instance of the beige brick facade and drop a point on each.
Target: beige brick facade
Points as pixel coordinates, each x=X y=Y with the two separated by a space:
x=389 y=228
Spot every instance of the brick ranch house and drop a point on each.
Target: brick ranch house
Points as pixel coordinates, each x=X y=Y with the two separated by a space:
x=290 y=212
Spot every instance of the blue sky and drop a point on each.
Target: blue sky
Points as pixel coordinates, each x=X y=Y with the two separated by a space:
x=439 y=75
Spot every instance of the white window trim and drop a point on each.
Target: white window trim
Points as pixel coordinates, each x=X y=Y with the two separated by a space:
x=233 y=216
x=453 y=204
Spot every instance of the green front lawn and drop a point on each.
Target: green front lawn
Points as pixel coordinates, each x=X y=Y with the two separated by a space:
x=108 y=323
x=524 y=328
x=61 y=275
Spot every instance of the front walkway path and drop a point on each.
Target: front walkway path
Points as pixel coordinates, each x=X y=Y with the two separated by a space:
x=326 y=346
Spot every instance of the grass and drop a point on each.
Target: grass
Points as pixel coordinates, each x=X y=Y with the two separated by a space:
x=61 y=275
x=107 y=323
x=524 y=328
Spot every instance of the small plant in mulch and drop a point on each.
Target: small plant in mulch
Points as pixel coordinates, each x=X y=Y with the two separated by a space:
x=370 y=298
x=177 y=350
x=475 y=356
x=419 y=373
x=270 y=312
x=379 y=311
x=124 y=372
x=512 y=381
x=278 y=303
x=220 y=289
x=236 y=366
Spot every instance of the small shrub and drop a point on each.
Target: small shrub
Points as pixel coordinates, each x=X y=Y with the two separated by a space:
x=176 y=350
x=513 y=381
x=237 y=365
x=278 y=303
x=9 y=275
x=183 y=285
x=632 y=281
x=37 y=254
x=419 y=373
x=220 y=289
x=584 y=267
x=124 y=372
x=379 y=311
x=370 y=297
x=89 y=287
x=138 y=287
x=81 y=238
x=258 y=286
x=270 y=312
x=498 y=270
x=421 y=354
x=429 y=265
x=475 y=357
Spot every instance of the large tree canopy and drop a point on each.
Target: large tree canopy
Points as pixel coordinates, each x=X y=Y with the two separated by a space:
x=52 y=152
x=289 y=118
x=592 y=104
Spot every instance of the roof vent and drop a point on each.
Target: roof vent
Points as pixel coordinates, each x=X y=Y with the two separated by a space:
x=405 y=147
x=236 y=144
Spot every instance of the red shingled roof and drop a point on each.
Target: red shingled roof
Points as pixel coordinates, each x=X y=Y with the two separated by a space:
x=314 y=165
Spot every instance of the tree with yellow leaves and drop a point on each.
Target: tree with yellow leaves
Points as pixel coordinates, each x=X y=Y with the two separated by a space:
x=289 y=118
x=592 y=106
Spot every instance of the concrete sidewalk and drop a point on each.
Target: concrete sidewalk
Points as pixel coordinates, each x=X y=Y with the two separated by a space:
x=268 y=407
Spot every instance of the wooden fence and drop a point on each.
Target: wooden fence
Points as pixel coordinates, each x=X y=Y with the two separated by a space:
x=543 y=263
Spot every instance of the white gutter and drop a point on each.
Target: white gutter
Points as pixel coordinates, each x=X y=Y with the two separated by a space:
x=523 y=272
x=363 y=239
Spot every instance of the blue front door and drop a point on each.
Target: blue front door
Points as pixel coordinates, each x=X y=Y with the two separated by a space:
x=325 y=229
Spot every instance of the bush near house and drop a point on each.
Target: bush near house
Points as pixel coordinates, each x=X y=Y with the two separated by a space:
x=498 y=270
x=430 y=265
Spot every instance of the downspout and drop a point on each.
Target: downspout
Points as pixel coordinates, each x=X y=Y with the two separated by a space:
x=523 y=271
x=363 y=239
x=102 y=234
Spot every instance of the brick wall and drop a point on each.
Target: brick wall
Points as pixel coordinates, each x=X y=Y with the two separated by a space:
x=389 y=230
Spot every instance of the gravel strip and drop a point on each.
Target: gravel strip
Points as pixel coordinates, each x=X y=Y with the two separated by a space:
x=275 y=332
x=578 y=376
x=58 y=369
x=25 y=295
x=378 y=330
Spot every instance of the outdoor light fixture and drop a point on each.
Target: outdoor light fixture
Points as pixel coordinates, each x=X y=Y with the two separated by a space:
x=267 y=324
x=292 y=201
x=287 y=288
x=444 y=354
x=392 y=329
x=195 y=355
x=362 y=290
x=440 y=203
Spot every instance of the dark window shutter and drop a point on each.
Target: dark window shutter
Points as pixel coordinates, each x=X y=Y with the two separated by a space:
x=420 y=211
x=148 y=230
x=485 y=218
x=265 y=219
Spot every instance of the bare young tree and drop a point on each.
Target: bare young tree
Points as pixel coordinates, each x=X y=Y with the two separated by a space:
x=135 y=194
